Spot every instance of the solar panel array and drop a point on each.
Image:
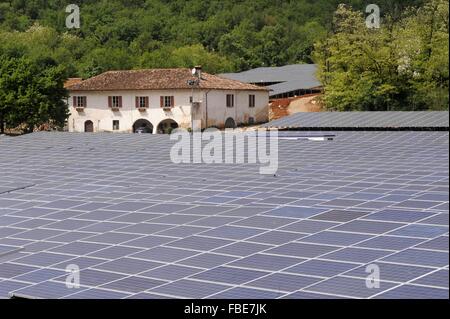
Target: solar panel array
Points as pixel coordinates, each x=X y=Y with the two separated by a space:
x=139 y=226
x=419 y=119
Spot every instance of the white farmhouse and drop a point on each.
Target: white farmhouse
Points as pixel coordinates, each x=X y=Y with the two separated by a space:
x=158 y=100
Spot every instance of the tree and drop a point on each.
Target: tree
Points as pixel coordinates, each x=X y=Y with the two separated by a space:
x=32 y=93
x=401 y=66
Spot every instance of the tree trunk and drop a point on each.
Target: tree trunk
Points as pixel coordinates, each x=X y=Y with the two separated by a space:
x=2 y=124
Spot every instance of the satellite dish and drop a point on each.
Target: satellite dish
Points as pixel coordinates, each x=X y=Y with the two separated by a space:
x=194 y=71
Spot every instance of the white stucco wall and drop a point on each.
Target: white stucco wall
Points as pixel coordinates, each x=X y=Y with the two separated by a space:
x=102 y=116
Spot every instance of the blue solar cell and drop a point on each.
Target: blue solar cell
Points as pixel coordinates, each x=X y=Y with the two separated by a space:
x=310 y=295
x=398 y=215
x=335 y=238
x=322 y=268
x=6 y=286
x=207 y=260
x=414 y=292
x=390 y=242
x=436 y=279
x=46 y=290
x=43 y=259
x=246 y=293
x=115 y=252
x=134 y=284
x=266 y=262
x=242 y=249
x=128 y=265
x=78 y=248
x=348 y=287
x=93 y=278
x=165 y=254
x=283 y=282
x=308 y=226
x=233 y=232
x=391 y=272
x=421 y=231
x=420 y=257
x=369 y=227
x=199 y=243
x=97 y=293
x=301 y=250
x=171 y=272
x=276 y=237
x=40 y=275
x=190 y=289
x=357 y=255
x=229 y=275
x=295 y=212
x=440 y=243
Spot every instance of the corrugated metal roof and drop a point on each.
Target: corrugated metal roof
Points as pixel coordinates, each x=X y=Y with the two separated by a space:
x=390 y=119
x=292 y=77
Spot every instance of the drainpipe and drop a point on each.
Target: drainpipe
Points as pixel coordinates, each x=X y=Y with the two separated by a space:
x=206 y=108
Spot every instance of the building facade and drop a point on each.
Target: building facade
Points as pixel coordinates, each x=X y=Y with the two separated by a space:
x=159 y=100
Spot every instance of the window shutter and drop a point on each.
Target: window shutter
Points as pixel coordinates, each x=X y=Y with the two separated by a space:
x=161 y=101
x=75 y=101
x=110 y=101
x=172 y=101
x=147 y=101
x=137 y=102
x=84 y=101
x=120 y=101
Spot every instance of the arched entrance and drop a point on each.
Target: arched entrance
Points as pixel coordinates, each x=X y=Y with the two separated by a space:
x=230 y=123
x=142 y=126
x=89 y=127
x=167 y=126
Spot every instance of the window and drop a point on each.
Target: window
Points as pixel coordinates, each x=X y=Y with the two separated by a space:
x=251 y=120
x=191 y=99
x=142 y=102
x=251 y=100
x=116 y=125
x=167 y=101
x=115 y=101
x=230 y=100
x=79 y=101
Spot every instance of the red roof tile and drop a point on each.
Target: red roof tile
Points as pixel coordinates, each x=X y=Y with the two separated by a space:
x=158 y=79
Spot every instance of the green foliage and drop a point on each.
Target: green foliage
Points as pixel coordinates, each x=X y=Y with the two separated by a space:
x=403 y=65
x=32 y=92
x=231 y=35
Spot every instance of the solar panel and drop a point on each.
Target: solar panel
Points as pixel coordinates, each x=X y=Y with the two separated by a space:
x=139 y=226
x=358 y=120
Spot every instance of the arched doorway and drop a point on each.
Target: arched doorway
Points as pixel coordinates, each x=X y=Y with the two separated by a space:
x=230 y=123
x=89 y=127
x=167 y=126
x=142 y=126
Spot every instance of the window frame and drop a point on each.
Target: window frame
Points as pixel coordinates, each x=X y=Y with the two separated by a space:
x=80 y=101
x=230 y=100
x=251 y=100
x=114 y=127
x=115 y=101
x=168 y=101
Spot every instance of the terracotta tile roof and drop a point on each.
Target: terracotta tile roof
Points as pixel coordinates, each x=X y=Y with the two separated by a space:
x=158 y=79
x=72 y=81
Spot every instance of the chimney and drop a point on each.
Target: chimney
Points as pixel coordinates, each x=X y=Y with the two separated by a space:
x=198 y=71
